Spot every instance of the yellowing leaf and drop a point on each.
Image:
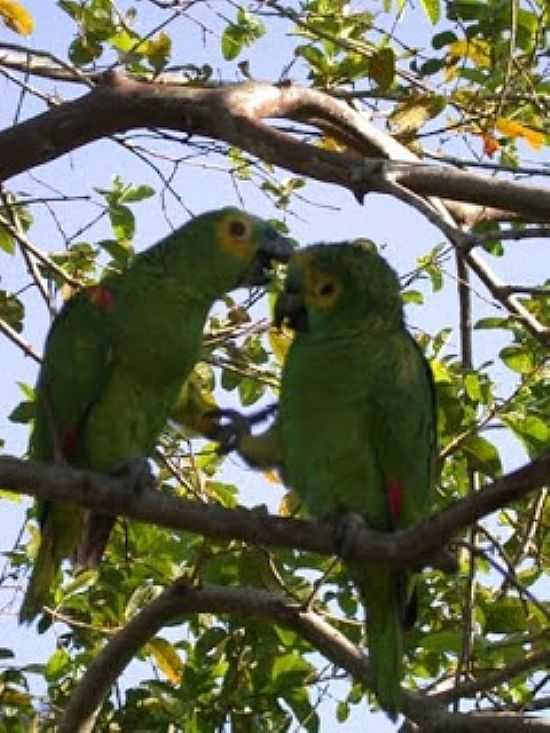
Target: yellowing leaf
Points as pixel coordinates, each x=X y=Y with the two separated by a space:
x=166 y=658
x=413 y=114
x=280 y=340
x=16 y=17
x=490 y=145
x=272 y=477
x=289 y=505
x=516 y=129
x=473 y=49
x=158 y=50
x=329 y=143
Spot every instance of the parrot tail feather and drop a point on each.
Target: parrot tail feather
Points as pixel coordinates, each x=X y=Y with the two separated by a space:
x=96 y=532
x=383 y=601
x=45 y=568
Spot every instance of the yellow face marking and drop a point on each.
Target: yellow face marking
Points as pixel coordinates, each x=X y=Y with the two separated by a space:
x=322 y=288
x=235 y=235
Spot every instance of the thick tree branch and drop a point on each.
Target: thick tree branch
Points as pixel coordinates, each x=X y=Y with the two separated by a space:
x=407 y=548
x=235 y=114
x=181 y=599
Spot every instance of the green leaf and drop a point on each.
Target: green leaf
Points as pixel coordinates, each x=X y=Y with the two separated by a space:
x=342 y=712
x=141 y=596
x=473 y=387
x=533 y=432
x=518 y=359
x=412 y=296
x=23 y=413
x=134 y=194
x=505 y=616
x=57 y=665
x=483 y=455
x=443 y=39
x=381 y=67
x=84 y=50
x=6 y=653
x=232 y=42
x=298 y=701
x=7 y=242
x=123 y=222
x=11 y=310
x=225 y=494
x=250 y=390
x=492 y=322
x=432 y=9
x=83 y=580
x=289 y=670
x=442 y=641
x=121 y=251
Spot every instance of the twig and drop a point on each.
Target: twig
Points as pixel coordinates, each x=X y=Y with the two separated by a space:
x=15 y=338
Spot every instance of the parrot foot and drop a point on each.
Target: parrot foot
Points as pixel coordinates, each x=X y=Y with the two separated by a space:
x=233 y=426
x=137 y=472
x=346 y=528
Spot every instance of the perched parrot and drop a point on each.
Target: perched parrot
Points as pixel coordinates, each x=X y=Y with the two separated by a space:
x=356 y=428
x=116 y=362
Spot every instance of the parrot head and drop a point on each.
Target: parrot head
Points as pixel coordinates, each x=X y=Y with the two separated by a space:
x=333 y=286
x=245 y=246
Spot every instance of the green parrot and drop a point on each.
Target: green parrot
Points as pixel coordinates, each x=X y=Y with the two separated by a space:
x=116 y=362
x=356 y=427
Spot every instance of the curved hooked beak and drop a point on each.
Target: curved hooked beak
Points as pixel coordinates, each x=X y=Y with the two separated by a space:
x=274 y=248
x=290 y=308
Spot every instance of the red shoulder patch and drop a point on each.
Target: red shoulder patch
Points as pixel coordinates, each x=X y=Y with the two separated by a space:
x=100 y=296
x=68 y=442
x=395 y=498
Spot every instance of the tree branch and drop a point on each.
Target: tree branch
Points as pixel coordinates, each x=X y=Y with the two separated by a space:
x=537 y=660
x=182 y=599
x=406 y=548
x=235 y=113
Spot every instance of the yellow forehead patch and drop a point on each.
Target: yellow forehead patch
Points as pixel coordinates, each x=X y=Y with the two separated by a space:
x=235 y=235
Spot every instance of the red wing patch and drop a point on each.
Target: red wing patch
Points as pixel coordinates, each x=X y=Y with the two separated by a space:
x=68 y=442
x=101 y=297
x=395 y=498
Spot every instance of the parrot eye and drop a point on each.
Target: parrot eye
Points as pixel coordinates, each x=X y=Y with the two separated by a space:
x=238 y=229
x=327 y=289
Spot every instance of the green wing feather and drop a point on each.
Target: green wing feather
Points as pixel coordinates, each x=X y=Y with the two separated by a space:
x=75 y=370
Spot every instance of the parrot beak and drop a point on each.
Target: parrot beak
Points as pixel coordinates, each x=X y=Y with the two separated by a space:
x=290 y=308
x=274 y=247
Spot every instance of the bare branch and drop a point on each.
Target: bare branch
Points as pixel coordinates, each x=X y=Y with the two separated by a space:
x=15 y=338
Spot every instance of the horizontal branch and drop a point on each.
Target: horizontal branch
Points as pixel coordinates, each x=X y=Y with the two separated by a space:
x=407 y=548
x=182 y=599
x=235 y=114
